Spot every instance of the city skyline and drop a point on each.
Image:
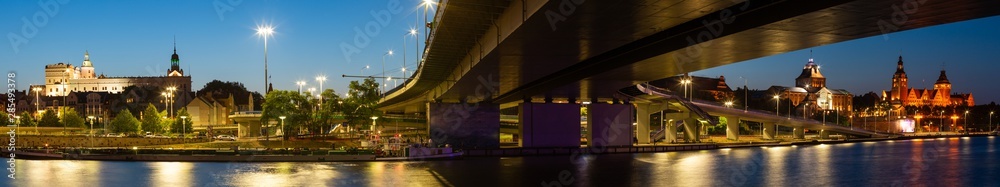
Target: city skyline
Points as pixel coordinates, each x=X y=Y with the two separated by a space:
x=212 y=43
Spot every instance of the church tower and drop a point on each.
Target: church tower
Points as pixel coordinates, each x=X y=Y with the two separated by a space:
x=899 y=83
x=175 y=64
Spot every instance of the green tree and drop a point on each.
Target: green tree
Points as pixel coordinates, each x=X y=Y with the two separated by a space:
x=7 y=120
x=124 y=122
x=72 y=119
x=182 y=123
x=151 y=120
x=27 y=120
x=291 y=104
x=326 y=112
x=361 y=103
x=49 y=119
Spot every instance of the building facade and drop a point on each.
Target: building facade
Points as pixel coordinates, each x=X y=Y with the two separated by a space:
x=811 y=95
x=61 y=79
x=902 y=95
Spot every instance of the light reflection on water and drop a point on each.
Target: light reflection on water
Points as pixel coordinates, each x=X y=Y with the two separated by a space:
x=930 y=162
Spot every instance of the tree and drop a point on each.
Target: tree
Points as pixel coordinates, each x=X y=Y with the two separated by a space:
x=291 y=104
x=181 y=123
x=124 y=122
x=27 y=120
x=331 y=107
x=6 y=120
x=49 y=119
x=361 y=103
x=71 y=119
x=151 y=120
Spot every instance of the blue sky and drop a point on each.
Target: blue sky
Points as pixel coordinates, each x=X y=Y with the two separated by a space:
x=216 y=40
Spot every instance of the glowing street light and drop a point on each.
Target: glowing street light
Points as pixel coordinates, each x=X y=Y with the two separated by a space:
x=320 y=79
x=991 y=121
x=966 y=119
x=300 y=83
x=183 y=129
x=729 y=104
x=777 y=99
x=383 y=67
x=427 y=5
x=265 y=31
x=282 y=130
x=91 y=118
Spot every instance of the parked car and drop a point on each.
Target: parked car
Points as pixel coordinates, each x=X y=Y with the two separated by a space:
x=112 y=135
x=225 y=137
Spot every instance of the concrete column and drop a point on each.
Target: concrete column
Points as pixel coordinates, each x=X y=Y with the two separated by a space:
x=770 y=130
x=691 y=127
x=670 y=135
x=609 y=125
x=549 y=124
x=824 y=134
x=799 y=133
x=732 y=128
x=464 y=125
x=642 y=112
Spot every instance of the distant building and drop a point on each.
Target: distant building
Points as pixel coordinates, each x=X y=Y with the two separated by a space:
x=902 y=95
x=61 y=79
x=810 y=93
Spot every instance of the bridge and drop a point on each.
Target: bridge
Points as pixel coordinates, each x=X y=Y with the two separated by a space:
x=546 y=58
x=692 y=113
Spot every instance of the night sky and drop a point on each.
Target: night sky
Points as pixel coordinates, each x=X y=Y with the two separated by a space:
x=216 y=40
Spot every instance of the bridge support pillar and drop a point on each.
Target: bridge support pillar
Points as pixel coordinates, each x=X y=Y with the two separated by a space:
x=642 y=112
x=769 y=131
x=464 y=125
x=799 y=133
x=824 y=134
x=549 y=124
x=609 y=125
x=691 y=129
x=732 y=128
x=670 y=136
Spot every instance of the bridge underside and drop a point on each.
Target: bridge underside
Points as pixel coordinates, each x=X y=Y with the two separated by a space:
x=551 y=49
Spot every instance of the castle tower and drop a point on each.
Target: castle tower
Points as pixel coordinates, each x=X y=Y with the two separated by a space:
x=87 y=70
x=899 y=84
x=942 y=88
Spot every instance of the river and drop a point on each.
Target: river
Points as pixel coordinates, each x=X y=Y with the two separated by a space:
x=931 y=162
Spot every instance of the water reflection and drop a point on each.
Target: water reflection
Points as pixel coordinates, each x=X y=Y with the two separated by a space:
x=932 y=162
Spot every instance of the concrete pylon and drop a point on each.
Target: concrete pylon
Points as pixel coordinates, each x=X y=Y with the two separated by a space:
x=769 y=131
x=642 y=112
x=691 y=129
x=549 y=124
x=824 y=134
x=732 y=128
x=671 y=134
x=799 y=133
x=609 y=125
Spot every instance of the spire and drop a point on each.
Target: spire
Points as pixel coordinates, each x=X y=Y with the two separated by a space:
x=175 y=44
x=86 y=59
x=943 y=78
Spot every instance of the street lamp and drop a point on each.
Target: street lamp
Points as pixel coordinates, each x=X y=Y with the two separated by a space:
x=427 y=5
x=383 y=68
x=37 y=91
x=966 y=119
x=183 y=130
x=265 y=31
x=991 y=121
x=301 y=83
x=320 y=79
x=282 y=131
x=729 y=104
x=940 y=125
x=776 y=104
x=91 y=131
x=954 y=120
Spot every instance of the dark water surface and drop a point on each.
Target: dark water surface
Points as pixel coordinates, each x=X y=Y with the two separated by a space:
x=927 y=162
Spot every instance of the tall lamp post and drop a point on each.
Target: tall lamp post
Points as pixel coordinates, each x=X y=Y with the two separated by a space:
x=941 y=125
x=427 y=5
x=282 y=131
x=265 y=31
x=91 y=118
x=966 y=119
x=383 y=69
x=301 y=83
x=320 y=79
x=183 y=130
x=991 y=121
x=777 y=99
